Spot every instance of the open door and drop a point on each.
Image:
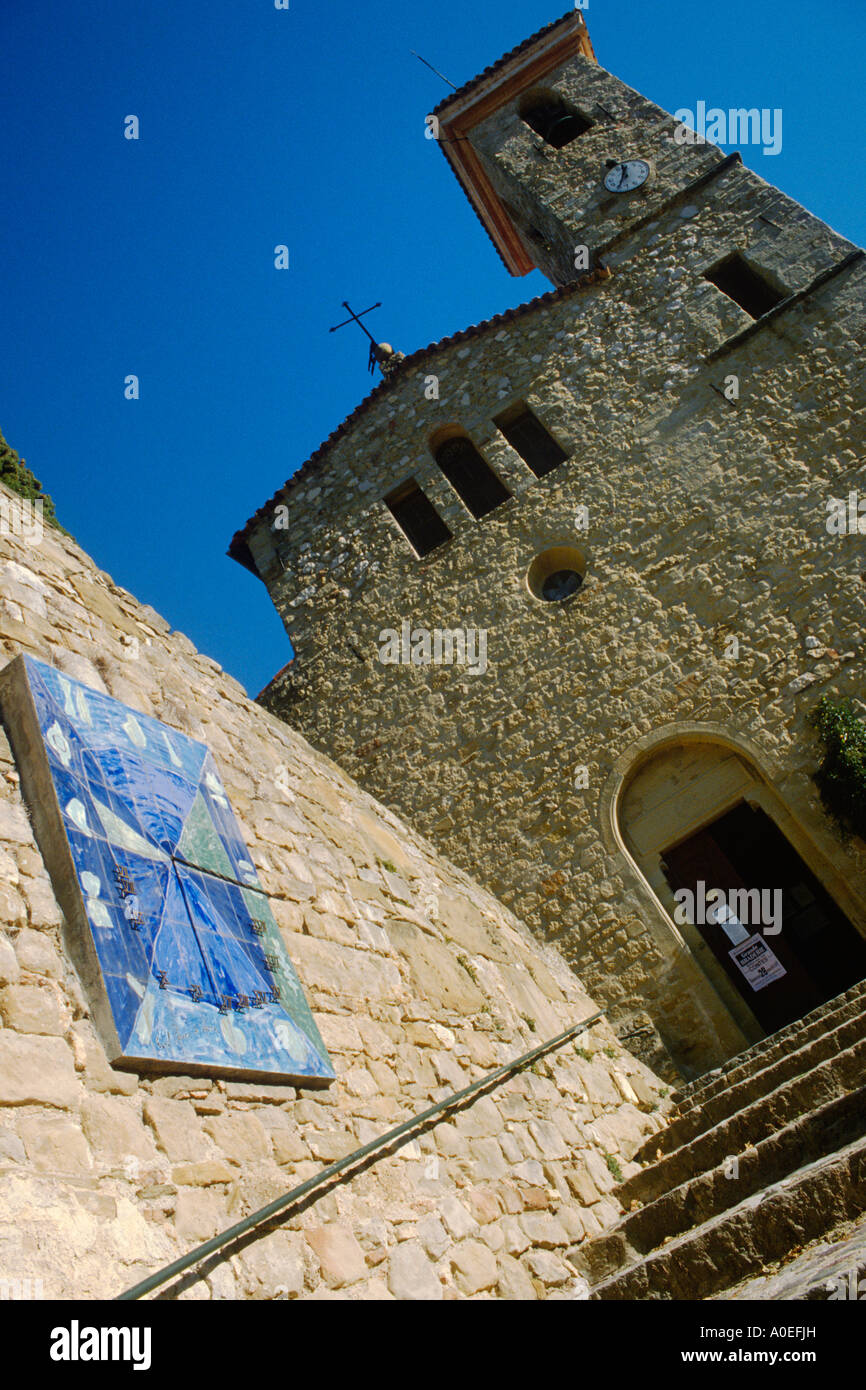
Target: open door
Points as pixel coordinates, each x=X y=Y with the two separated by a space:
x=782 y=974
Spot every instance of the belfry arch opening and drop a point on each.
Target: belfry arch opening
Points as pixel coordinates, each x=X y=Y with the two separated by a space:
x=741 y=883
x=552 y=117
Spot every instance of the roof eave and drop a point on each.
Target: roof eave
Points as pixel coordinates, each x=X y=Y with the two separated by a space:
x=474 y=102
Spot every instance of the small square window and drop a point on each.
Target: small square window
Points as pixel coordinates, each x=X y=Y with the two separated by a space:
x=553 y=118
x=417 y=518
x=747 y=287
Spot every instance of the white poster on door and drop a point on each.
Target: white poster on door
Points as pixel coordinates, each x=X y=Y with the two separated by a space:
x=754 y=959
x=729 y=922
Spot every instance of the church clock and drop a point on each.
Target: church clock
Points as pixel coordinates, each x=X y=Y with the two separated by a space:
x=626 y=176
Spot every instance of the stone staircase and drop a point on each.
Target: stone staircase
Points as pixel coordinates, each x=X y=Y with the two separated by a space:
x=762 y=1157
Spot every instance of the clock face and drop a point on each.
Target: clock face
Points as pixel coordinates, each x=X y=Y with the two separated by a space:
x=626 y=176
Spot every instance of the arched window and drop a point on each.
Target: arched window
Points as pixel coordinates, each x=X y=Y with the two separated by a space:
x=551 y=117
x=528 y=436
x=470 y=476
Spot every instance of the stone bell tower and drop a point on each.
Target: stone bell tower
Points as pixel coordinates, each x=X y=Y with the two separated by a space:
x=555 y=155
x=560 y=588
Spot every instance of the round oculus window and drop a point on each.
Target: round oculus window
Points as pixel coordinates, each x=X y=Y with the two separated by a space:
x=556 y=573
x=560 y=585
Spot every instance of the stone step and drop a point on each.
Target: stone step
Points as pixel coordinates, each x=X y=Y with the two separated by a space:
x=806 y=1139
x=686 y=1126
x=827 y=1270
x=741 y=1241
x=760 y=1054
x=804 y=1094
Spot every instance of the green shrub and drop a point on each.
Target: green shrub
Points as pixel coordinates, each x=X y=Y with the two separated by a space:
x=613 y=1166
x=15 y=474
x=841 y=778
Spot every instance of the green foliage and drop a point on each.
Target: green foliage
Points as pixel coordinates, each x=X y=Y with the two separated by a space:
x=841 y=778
x=582 y=1052
x=15 y=474
x=613 y=1166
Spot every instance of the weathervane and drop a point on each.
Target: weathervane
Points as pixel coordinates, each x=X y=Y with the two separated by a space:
x=380 y=353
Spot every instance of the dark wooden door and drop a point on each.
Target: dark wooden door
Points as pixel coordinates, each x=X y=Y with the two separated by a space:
x=701 y=857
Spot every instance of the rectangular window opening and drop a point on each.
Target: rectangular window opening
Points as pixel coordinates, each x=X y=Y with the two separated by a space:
x=417 y=518
x=747 y=287
x=529 y=438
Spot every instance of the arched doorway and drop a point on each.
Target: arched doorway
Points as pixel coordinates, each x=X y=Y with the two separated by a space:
x=751 y=902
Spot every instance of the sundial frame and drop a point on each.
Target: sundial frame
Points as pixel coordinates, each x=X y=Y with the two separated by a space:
x=165 y=917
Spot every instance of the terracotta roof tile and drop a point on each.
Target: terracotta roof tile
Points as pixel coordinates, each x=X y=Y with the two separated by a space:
x=501 y=62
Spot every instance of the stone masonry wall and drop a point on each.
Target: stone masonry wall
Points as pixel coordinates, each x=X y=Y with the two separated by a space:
x=419 y=981
x=707 y=520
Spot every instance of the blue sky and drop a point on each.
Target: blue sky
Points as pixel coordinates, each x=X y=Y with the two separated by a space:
x=303 y=127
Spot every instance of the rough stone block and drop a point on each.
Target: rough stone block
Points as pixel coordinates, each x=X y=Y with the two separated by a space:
x=548 y=1268
x=36 y=1071
x=14 y=825
x=550 y=1142
x=42 y=907
x=13 y=908
x=474 y=1266
x=114 y=1130
x=205 y=1173
x=90 y=1057
x=329 y=1145
x=289 y=1147
x=33 y=1009
x=411 y=1276
x=433 y=1236
x=177 y=1128
x=10 y=970
x=11 y=1148
x=339 y=1033
x=436 y=973
x=239 y=1135
x=514 y=1283
x=38 y=955
x=484 y=1205
x=487 y=1161
x=274 y=1265
x=199 y=1214
x=54 y=1144
x=340 y=1256
x=457 y=1219
x=335 y=969
x=544 y=1231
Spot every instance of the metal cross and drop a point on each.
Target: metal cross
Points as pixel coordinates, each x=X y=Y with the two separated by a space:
x=356 y=318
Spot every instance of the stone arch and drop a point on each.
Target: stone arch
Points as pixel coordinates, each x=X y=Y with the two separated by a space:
x=673 y=784
x=477 y=485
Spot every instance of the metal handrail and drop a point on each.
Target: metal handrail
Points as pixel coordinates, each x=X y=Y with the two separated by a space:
x=384 y=1141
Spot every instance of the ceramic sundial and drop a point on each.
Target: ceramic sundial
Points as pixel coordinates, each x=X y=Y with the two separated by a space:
x=166 y=919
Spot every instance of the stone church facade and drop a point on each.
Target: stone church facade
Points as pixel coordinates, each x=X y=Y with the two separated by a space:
x=562 y=589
